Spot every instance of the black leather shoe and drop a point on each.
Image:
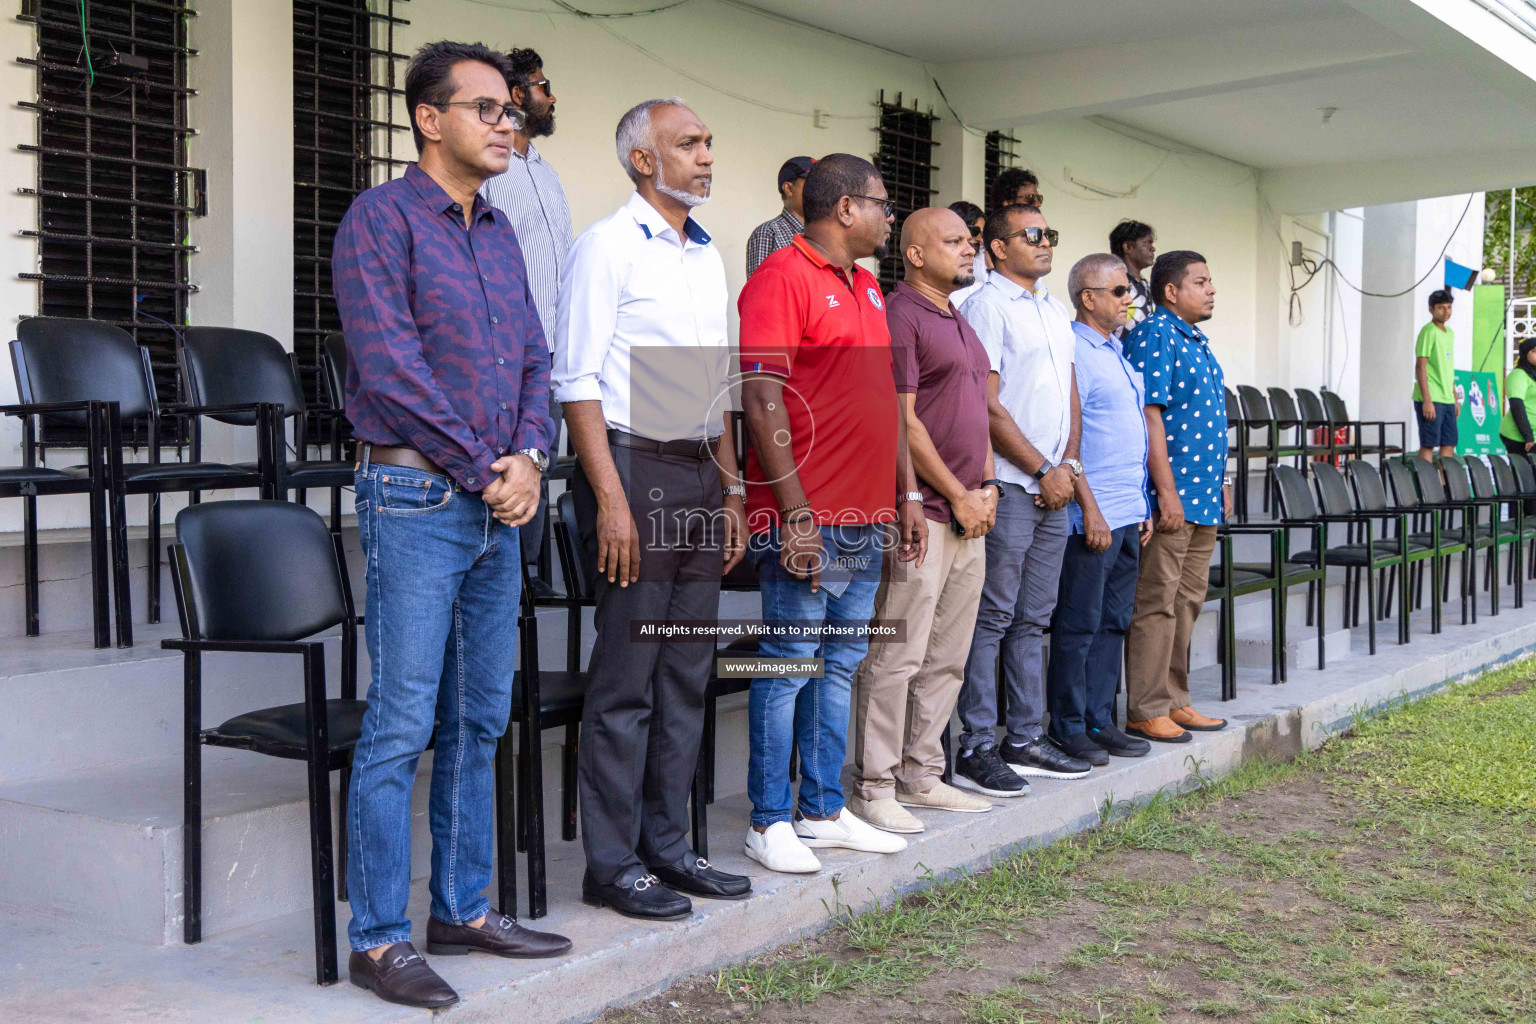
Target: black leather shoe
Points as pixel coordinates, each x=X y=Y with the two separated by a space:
x=498 y=935
x=401 y=976
x=644 y=898
x=1083 y=747
x=1119 y=744
x=694 y=875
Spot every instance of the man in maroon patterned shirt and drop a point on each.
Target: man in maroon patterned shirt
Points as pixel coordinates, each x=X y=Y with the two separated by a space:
x=448 y=394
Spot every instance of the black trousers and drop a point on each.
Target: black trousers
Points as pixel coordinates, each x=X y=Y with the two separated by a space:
x=1093 y=611
x=530 y=536
x=644 y=708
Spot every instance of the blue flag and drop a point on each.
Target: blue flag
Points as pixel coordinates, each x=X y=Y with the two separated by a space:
x=1458 y=276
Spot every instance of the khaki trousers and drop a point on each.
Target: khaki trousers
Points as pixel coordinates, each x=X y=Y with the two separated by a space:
x=1175 y=574
x=907 y=691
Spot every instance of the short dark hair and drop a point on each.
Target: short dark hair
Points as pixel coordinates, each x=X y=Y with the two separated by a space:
x=966 y=211
x=1007 y=184
x=1171 y=268
x=429 y=75
x=1440 y=295
x=1126 y=232
x=834 y=176
x=998 y=222
x=524 y=63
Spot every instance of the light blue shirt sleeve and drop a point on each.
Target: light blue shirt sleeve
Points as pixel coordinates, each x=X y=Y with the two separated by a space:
x=989 y=323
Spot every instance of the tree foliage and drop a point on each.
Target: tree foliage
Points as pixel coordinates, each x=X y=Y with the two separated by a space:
x=1496 y=238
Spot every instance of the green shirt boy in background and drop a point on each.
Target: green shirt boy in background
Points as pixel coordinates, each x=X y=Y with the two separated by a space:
x=1434 y=390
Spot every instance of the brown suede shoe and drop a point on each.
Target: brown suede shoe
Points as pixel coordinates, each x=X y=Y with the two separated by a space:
x=1160 y=730
x=1189 y=718
x=498 y=935
x=401 y=976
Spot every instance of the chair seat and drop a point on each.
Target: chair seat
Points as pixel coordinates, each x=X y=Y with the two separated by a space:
x=558 y=691
x=35 y=475
x=280 y=731
x=1292 y=567
x=170 y=472
x=1356 y=554
x=301 y=472
x=1240 y=578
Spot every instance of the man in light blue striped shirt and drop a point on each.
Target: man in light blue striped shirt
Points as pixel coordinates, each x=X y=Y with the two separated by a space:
x=530 y=194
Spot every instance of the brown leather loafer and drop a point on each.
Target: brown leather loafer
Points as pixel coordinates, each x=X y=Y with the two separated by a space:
x=401 y=976
x=498 y=935
x=1189 y=718
x=1161 y=730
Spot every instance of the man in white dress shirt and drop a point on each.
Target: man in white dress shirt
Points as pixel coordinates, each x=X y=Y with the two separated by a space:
x=1035 y=426
x=642 y=368
x=530 y=194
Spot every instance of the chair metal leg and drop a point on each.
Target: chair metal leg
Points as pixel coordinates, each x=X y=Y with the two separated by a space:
x=29 y=568
x=1322 y=591
x=698 y=811
x=345 y=784
x=154 y=558
x=321 y=857
x=1277 y=633
x=1370 y=607
x=121 y=593
x=192 y=798
x=947 y=744
x=506 y=827
x=568 y=783
x=707 y=748
x=1311 y=586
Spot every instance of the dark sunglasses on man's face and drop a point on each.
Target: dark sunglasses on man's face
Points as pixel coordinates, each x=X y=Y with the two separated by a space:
x=548 y=89
x=1119 y=291
x=1034 y=236
x=491 y=112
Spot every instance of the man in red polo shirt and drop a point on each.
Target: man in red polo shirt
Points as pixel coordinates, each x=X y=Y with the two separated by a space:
x=828 y=472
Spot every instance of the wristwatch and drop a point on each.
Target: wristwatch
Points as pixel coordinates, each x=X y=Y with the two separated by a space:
x=1074 y=465
x=911 y=496
x=740 y=490
x=1045 y=467
x=997 y=484
x=540 y=460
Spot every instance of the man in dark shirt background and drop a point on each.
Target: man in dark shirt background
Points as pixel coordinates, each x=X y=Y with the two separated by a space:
x=448 y=395
x=772 y=235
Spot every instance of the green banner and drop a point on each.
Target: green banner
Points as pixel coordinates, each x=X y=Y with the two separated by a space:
x=1477 y=426
x=1488 y=342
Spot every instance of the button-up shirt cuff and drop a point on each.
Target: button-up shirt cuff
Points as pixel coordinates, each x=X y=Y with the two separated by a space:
x=582 y=389
x=478 y=474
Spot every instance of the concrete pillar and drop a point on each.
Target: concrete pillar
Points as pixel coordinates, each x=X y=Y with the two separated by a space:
x=961 y=157
x=1388 y=326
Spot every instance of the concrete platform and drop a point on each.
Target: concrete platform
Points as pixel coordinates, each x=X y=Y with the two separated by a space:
x=63 y=968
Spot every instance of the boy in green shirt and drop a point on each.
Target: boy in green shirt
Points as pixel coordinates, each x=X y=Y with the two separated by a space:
x=1434 y=390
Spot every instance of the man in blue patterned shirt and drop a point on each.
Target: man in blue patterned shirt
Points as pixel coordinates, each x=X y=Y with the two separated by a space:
x=1186 y=461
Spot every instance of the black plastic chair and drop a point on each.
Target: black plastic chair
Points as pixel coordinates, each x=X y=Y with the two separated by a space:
x=1371 y=497
x=1289 y=417
x=266 y=577
x=1257 y=415
x=1427 y=528
x=61 y=360
x=1433 y=495
x=1485 y=488
x=30 y=481
x=1292 y=573
x=1226 y=583
x=1387 y=556
x=1382 y=448
x=1489 y=536
x=1525 y=480
x=226 y=366
x=1525 y=524
x=1309 y=407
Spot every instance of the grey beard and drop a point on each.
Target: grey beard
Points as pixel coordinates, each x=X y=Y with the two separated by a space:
x=688 y=199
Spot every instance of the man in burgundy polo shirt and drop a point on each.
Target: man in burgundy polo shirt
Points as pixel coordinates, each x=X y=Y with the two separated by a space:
x=907 y=687
x=827 y=472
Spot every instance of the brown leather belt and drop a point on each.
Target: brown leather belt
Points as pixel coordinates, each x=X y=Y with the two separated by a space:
x=687 y=448
x=410 y=458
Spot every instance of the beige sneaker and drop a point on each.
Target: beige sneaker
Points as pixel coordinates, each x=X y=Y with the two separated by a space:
x=886 y=815
x=943 y=798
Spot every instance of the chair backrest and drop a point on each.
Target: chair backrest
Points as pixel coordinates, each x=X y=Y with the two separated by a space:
x=257 y=570
x=1311 y=408
x=230 y=366
x=1255 y=406
x=334 y=359
x=1504 y=477
x=1334 y=405
x=1234 y=411
x=61 y=360
x=1482 y=479
x=568 y=546
x=1283 y=406
x=1295 y=496
x=1430 y=487
x=1525 y=476
x=1332 y=491
x=1370 y=491
x=1457 y=484
x=1405 y=493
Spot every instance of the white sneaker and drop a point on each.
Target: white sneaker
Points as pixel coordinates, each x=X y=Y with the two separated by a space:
x=778 y=849
x=847 y=832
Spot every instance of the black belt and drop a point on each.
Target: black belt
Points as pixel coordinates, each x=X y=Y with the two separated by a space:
x=687 y=448
x=392 y=455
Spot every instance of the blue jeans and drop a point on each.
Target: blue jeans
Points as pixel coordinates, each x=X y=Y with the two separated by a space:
x=1093 y=611
x=811 y=714
x=444 y=580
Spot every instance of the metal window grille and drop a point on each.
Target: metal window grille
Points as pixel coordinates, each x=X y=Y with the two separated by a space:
x=114 y=191
x=346 y=76
x=905 y=160
x=1001 y=153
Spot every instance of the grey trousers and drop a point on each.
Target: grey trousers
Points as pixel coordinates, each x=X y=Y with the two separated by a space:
x=644 y=710
x=1024 y=552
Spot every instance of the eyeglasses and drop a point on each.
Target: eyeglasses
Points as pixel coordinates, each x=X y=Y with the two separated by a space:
x=1034 y=236
x=545 y=83
x=889 y=204
x=491 y=112
x=1036 y=200
x=1119 y=291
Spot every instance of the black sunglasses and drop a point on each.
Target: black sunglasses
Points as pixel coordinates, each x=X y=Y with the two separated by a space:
x=1119 y=291
x=545 y=83
x=1034 y=235
x=889 y=204
x=491 y=112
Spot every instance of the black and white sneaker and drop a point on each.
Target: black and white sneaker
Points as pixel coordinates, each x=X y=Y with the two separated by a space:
x=1040 y=757
x=982 y=771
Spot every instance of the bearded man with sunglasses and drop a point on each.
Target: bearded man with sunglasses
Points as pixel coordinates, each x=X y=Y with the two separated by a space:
x=448 y=395
x=1035 y=423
